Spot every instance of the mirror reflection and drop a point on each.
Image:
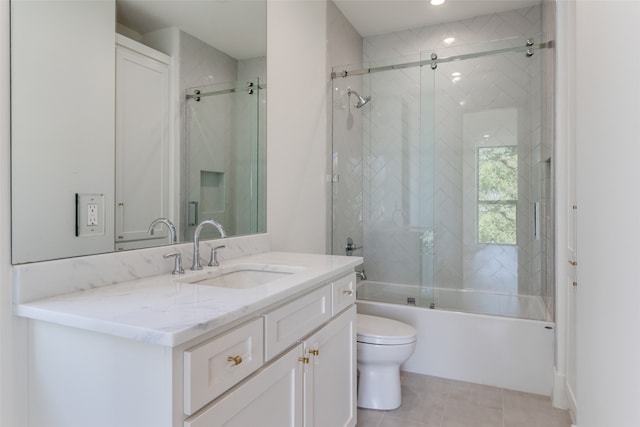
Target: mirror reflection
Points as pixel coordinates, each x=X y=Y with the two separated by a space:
x=115 y=152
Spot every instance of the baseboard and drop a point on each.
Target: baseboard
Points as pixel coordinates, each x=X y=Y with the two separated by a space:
x=559 y=394
x=573 y=404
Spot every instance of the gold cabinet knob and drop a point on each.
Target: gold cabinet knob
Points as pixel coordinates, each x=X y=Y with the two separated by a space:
x=304 y=360
x=235 y=359
x=314 y=352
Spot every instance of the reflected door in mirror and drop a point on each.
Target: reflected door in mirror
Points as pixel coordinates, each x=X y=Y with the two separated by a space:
x=143 y=144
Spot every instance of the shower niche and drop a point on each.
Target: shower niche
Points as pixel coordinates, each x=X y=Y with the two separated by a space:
x=212 y=191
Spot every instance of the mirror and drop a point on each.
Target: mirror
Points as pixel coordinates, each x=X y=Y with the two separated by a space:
x=170 y=126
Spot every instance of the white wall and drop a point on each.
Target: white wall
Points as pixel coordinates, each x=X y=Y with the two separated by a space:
x=608 y=271
x=344 y=136
x=12 y=385
x=296 y=124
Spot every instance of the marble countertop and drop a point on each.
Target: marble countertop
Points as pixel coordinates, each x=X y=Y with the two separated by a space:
x=166 y=310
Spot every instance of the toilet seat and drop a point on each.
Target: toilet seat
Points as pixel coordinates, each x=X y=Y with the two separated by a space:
x=383 y=331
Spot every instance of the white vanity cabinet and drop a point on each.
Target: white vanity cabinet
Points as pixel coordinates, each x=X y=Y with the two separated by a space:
x=314 y=383
x=290 y=364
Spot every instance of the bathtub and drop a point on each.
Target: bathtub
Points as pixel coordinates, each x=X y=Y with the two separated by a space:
x=492 y=349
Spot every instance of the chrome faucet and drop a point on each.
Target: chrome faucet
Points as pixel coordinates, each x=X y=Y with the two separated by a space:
x=170 y=226
x=196 y=241
x=177 y=262
x=213 y=262
x=361 y=274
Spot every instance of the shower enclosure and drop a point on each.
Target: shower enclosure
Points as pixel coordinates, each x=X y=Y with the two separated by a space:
x=224 y=158
x=442 y=181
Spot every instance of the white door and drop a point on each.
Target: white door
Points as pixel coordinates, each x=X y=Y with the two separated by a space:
x=142 y=141
x=330 y=381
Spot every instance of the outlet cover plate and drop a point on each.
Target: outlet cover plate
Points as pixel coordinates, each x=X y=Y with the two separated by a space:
x=89 y=214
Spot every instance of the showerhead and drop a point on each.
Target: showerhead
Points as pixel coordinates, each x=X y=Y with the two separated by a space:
x=362 y=101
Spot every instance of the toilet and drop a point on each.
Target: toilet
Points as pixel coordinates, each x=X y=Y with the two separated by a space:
x=383 y=345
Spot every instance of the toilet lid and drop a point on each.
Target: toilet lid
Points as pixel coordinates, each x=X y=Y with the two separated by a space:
x=380 y=330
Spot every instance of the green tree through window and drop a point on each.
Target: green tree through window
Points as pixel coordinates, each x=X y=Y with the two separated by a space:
x=497 y=194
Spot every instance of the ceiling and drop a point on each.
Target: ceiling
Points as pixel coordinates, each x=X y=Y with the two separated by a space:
x=373 y=17
x=235 y=27
x=238 y=27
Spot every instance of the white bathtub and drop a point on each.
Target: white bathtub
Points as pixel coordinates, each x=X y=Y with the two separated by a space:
x=508 y=352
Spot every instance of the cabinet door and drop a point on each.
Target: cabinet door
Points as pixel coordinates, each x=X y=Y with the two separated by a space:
x=273 y=397
x=142 y=142
x=330 y=381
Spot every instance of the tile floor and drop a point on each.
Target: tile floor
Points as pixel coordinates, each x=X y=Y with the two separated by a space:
x=436 y=402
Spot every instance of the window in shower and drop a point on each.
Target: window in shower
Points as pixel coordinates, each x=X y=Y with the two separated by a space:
x=497 y=194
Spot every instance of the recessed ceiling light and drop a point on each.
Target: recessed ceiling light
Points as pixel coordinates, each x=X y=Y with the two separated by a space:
x=456 y=74
x=437 y=2
x=449 y=40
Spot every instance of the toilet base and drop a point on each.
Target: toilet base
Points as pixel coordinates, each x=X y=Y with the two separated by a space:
x=379 y=387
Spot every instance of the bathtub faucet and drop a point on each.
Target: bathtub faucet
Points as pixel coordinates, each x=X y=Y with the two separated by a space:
x=361 y=274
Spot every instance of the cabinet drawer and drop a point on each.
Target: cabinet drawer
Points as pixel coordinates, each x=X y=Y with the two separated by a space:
x=288 y=324
x=216 y=365
x=344 y=293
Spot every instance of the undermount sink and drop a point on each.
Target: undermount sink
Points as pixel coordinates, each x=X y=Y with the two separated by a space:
x=243 y=276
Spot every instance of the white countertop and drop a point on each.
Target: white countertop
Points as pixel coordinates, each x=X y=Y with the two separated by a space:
x=165 y=310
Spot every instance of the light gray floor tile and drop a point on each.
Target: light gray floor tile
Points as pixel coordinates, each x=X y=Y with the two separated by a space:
x=390 y=421
x=530 y=410
x=369 y=417
x=476 y=394
x=464 y=414
x=420 y=406
x=426 y=383
x=437 y=402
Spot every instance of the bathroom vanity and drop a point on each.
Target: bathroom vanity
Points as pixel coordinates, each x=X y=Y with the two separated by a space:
x=266 y=339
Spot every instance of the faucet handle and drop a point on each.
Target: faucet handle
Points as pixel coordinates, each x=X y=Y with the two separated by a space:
x=213 y=262
x=177 y=264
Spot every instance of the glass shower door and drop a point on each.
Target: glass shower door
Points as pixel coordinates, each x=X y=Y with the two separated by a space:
x=382 y=188
x=492 y=154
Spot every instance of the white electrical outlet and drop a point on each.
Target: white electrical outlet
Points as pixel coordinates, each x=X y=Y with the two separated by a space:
x=92 y=214
x=89 y=214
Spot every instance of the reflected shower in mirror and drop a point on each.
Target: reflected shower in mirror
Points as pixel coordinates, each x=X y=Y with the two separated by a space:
x=224 y=172
x=101 y=142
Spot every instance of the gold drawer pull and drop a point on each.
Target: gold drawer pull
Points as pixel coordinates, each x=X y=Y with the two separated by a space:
x=235 y=359
x=314 y=352
x=347 y=292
